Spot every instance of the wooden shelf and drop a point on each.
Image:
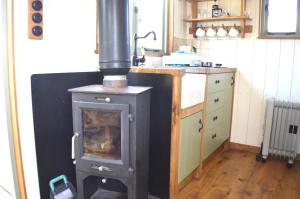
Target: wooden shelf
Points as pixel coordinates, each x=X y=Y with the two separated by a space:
x=213 y=19
x=241 y=19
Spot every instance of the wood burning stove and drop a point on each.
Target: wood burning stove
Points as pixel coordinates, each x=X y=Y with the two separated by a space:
x=110 y=142
x=111 y=122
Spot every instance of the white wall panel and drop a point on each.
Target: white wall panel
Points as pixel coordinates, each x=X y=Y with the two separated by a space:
x=287 y=53
x=272 y=68
x=295 y=94
x=255 y=121
x=234 y=124
x=244 y=62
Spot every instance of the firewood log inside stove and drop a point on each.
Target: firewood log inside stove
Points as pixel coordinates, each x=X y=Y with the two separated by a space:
x=104 y=141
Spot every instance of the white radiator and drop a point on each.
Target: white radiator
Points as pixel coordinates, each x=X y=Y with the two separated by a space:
x=282 y=122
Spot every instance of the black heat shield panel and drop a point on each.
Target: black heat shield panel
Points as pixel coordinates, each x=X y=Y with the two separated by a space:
x=53 y=127
x=53 y=124
x=160 y=129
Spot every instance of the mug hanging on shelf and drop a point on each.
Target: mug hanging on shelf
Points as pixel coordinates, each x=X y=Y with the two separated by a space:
x=234 y=31
x=200 y=33
x=211 y=32
x=222 y=31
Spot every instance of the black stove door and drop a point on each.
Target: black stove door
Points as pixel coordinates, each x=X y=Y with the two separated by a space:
x=101 y=138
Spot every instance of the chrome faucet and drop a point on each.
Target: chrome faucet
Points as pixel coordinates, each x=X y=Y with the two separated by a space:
x=135 y=59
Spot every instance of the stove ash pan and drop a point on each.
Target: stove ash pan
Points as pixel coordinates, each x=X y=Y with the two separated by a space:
x=110 y=143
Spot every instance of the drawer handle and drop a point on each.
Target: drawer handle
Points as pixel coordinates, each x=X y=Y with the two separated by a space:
x=216 y=100
x=217 y=81
x=103 y=99
x=232 y=81
x=215 y=118
x=214 y=136
x=201 y=125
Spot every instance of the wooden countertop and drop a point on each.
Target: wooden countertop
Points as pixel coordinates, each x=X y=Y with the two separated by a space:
x=209 y=70
x=181 y=71
x=159 y=70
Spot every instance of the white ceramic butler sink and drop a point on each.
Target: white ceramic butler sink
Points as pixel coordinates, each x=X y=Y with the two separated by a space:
x=192 y=89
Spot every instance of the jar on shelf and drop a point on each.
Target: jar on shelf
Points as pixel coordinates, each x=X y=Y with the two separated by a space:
x=216 y=10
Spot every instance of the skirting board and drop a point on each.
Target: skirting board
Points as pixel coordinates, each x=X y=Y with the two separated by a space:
x=244 y=147
x=248 y=148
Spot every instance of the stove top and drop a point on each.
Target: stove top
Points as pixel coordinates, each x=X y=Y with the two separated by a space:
x=201 y=64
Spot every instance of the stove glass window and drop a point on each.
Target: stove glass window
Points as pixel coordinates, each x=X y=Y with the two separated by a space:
x=102 y=133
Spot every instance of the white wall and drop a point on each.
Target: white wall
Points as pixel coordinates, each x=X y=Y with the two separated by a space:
x=68 y=46
x=266 y=68
x=7 y=189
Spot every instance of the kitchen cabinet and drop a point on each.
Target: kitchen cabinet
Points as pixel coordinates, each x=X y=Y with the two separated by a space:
x=218 y=111
x=189 y=145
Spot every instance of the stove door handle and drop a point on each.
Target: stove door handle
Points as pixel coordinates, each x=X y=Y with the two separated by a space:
x=73 y=144
x=101 y=168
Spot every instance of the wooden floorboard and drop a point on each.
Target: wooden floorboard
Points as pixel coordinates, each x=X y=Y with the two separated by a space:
x=237 y=175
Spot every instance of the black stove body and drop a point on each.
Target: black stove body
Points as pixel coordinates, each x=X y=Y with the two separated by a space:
x=110 y=142
x=111 y=121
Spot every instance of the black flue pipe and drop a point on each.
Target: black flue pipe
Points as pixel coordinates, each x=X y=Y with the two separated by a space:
x=114 y=56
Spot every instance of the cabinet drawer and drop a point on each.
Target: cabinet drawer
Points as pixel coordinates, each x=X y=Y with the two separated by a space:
x=214 y=101
x=215 y=118
x=213 y=139
x=215 y=83
x=211 y=143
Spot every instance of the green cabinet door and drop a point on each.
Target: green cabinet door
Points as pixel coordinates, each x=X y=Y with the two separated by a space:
x=189 y=145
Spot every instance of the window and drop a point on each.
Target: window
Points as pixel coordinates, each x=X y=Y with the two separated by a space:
x=280 y=19
x=149 y=15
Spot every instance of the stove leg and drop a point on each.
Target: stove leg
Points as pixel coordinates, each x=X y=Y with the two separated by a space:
x=131 y=194
x=80 y=191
